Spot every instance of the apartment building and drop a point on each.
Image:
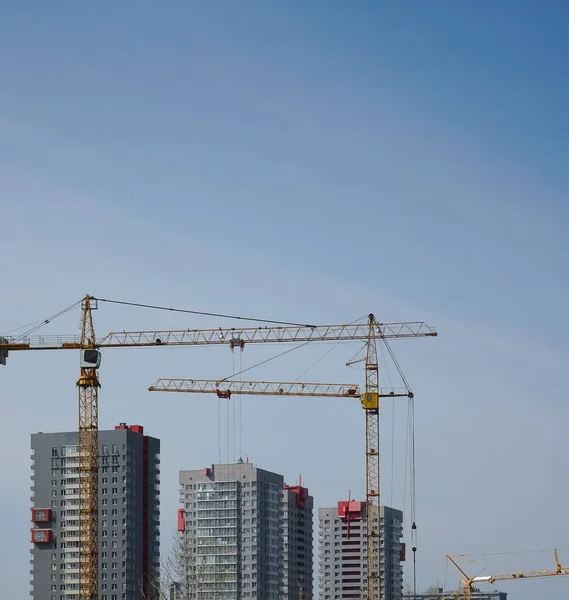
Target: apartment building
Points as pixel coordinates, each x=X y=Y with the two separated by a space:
x=247 y=535
x=297 y=578
x=343 y=553
x=129 y=514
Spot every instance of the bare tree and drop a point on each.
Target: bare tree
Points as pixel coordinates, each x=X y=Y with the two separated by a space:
x=433 y=592
x=177 y=575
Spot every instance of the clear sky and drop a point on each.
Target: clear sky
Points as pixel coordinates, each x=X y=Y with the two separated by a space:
x=309 y=161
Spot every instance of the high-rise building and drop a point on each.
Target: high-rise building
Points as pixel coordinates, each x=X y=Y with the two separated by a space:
x=297 y=543
x=234 y=522
x=129 y=514
x=343 y=552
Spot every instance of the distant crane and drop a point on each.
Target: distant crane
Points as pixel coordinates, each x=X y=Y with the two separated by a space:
x=88 y=384
x=468 y=582
x=370 y=403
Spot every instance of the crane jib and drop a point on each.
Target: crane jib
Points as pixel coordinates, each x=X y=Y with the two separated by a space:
x=231 y=336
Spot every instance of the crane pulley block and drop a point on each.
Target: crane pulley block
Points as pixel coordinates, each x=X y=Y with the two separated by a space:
x=90 y=359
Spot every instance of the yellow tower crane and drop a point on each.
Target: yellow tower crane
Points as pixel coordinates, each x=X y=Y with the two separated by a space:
x=468 y=582
x=89 y=346
x=369 y=402
x=225 y=389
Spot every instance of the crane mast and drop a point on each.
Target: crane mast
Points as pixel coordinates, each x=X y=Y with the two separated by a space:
x=371 y=407
x=88 y=386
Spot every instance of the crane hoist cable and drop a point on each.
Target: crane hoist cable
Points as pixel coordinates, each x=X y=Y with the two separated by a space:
x=229 y=377
x=392 y=425
x=411 y=455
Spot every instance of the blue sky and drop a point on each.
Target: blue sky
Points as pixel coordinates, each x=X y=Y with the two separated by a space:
x=313 y=162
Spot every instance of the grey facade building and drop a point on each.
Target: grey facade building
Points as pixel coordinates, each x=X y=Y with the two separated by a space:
x=234 y=522
x=297 y=578
x=129 y=514
x=343 y=552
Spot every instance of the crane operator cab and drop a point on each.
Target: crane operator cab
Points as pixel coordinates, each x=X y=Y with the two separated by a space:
x=90 y=359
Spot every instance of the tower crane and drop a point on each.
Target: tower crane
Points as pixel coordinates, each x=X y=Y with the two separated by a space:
x=468 y=582
x=225 y=389
x=88 y=385
x=370 y=403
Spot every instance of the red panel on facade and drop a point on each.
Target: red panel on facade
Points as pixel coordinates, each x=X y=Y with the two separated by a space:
x=146 y=491
x=301 y=494
x=402 y=552
x=350 y=510
x=207 y=471
x=41 y=515
x=181 y=521
x=135 y=428
x=41 y=536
